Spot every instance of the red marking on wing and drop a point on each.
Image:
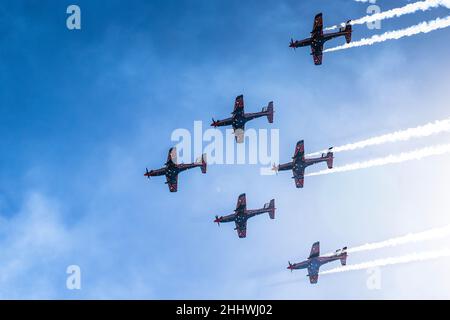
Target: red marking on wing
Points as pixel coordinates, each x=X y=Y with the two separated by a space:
x=299 y=182
x=299 y=149
x=318 y=24
x=239 y=103
x=173 y=184
x=242 y=201
x=317 y=59
x=242 y=233
x=313 y=278
x=315 y=250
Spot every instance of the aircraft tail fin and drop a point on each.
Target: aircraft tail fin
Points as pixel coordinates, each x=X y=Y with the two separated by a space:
x=271 y=208
x=330 y=158
x=348 y=30
x=344 y=256
x=330 y=162
x=270 y=112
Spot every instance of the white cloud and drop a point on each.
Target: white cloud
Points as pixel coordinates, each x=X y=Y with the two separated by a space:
x=31 y=239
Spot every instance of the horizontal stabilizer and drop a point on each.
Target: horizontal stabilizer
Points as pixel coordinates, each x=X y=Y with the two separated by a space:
x=270 y=112
x=271 y=208
x=204 y=163
x=348 y=29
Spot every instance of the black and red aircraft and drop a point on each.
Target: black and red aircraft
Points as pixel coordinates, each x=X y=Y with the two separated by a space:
x=299 y=163
x=315 y=261
x=318 y=38
x=239 y=118
x=241 y=215
x=172 y=169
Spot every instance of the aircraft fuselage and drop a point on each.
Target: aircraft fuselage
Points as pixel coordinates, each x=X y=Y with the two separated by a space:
x=242 y=215
x=172 y=170
x=240 y=118
x=316 y=263
x=302 y=163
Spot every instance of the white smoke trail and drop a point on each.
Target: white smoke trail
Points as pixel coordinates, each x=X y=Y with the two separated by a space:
x=423 y=27
x=413 y=257
x=397 y=12
x=402 y=157
x=431 y=234
x=402 y=135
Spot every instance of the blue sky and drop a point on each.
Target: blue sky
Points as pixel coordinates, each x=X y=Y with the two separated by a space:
x=82 y=113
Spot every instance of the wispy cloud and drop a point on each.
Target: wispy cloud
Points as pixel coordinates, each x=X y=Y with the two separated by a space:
x=32 y=238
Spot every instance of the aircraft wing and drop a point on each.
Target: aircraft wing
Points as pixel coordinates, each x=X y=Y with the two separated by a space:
x=172 y=183
x=239 y=104
x=315 y=250
x=318 y=24
x=299 y=177
x=299 y=181
x=313 y=273
x=316 y=52
x=241 y=228
x=241 y=202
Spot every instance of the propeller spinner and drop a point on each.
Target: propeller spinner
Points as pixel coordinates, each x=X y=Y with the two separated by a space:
x=215 y=123
x=275 y=168
x=292 y=44
x=290 y=266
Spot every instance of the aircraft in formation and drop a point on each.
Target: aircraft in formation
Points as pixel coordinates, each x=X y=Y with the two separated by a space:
x=299 y=163
x=315 y=261
x=172 y=169
x=318 y=38
x=242 y=214
x=239 y=118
